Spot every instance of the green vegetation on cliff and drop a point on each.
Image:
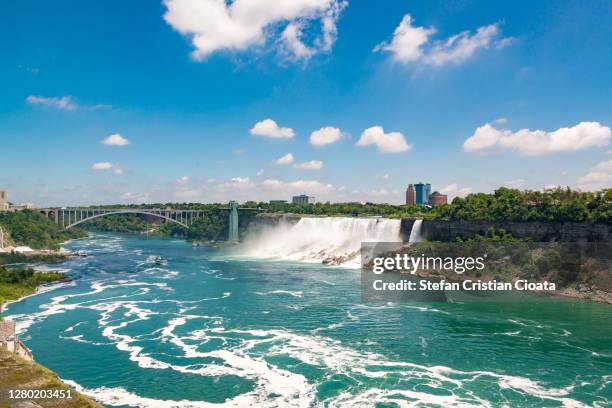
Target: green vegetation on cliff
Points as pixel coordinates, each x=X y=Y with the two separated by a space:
x=17 y=373
x=554 y=205
x=33 y=229
x=17 y=283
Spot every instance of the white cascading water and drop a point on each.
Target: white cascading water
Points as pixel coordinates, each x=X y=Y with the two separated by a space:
x=415 y=232
x=334 y=240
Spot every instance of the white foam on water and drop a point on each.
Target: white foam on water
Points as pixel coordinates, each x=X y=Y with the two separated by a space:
x=332 y=239
x=246 y=354
x=297 y=293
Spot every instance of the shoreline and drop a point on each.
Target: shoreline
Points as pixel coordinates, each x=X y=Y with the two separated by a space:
x=39 y=290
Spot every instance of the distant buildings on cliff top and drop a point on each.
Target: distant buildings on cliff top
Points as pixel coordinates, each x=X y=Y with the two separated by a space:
x=6 y=206
x=420 y=194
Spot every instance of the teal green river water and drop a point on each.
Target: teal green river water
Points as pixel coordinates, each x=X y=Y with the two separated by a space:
x=211 y=330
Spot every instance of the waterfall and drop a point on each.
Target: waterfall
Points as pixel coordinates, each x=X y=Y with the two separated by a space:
x=331 y=240
x=415 y=232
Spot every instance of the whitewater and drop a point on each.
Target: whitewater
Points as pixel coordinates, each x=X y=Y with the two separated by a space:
x=212 y=330
x=331 y=240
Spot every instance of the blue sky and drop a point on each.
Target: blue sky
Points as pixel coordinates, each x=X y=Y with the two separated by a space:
x=468 y=95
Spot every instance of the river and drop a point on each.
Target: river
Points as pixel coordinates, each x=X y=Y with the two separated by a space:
x=211 y=329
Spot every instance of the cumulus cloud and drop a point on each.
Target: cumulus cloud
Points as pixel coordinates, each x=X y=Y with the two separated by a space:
x=299 y=186
x=103 y=166
x=598 y=177
x=325 y=136
x=216 y=25
x=309 y=165
x=237 y=183
x=286 y=159
x=67 y=103
x=453 y=190
x=269 y=128
x=539 y=142
x=183 y=180
x=411 y=43
x=260 y=173
x=116 y=140
x=393 y=142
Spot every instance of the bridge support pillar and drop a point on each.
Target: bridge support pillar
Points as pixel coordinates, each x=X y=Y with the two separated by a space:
x=233 y=222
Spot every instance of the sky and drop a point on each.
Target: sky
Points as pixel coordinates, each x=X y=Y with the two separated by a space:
x=208 y=101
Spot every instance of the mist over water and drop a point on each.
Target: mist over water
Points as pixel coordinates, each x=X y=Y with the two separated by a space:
x=333 y=239
x=208 y=330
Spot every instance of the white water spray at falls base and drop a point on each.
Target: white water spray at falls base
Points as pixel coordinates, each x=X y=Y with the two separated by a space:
x=331 y=240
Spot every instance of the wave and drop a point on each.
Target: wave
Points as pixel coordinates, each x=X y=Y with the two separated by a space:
x=374 y=377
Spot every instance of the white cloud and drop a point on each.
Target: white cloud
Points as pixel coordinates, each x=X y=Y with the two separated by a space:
x=501 y=121
x=67 y=103
x=324 y=136
x=598 y=177
x=116 y=140
x=411 y=43
x=517 y=183
x=286 y=159
x=237 y=183
x=453 y=190
x=292 y=42
x=538 y=142
x=183 y=180
x=260 y=173
x=269 y=128
x=299 y=186
x=102 y=166
x=393 y=142
x=215 y=25
x=309 y=165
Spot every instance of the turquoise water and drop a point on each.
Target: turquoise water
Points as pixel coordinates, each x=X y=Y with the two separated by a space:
x=207 y=330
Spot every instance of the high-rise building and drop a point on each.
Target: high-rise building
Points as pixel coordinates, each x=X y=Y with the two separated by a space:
x=436 y=199
x=410 y=195
x=423 y=191
x=303 y=199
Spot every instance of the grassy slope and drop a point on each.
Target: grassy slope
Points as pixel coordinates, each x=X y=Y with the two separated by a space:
x=17 y=373
x=17 y=283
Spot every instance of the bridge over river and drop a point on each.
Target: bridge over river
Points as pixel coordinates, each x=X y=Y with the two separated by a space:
x=69 y=217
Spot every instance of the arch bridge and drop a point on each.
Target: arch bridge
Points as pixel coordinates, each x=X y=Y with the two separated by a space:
x=69 y=217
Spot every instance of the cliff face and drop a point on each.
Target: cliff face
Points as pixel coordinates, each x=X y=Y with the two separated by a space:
x=443 y=230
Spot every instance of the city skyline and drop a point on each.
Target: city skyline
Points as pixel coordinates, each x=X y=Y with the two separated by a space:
x=339 y=100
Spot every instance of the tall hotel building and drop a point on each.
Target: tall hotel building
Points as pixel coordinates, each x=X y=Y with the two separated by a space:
x=423 y=191
x=410 y=195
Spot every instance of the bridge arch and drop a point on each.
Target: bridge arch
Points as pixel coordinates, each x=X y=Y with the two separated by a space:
x=74 y=224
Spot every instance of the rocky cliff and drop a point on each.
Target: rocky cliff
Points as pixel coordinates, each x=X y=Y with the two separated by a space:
x=444 y=230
